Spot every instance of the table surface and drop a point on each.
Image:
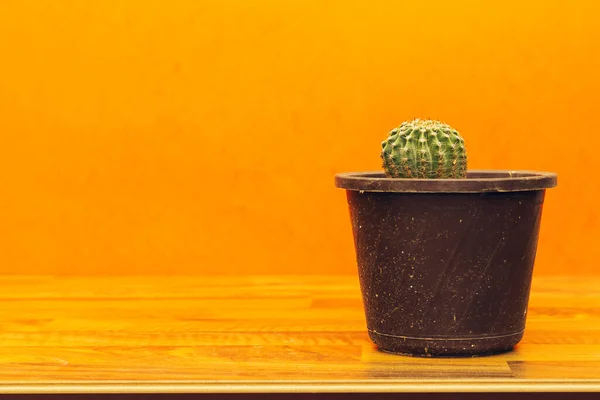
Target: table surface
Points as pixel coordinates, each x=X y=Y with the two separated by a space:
x=265 y=334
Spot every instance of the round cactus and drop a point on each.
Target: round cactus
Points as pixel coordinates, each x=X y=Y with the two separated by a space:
x=424 y=149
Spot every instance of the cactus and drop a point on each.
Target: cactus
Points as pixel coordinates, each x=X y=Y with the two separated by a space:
x=424 y=149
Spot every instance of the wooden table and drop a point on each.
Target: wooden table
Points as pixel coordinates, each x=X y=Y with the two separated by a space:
x=265 y=335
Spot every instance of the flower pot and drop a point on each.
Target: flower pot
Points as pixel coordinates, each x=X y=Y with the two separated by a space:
x=445 y=265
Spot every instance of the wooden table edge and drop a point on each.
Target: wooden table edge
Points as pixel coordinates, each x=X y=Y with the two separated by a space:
x=371 y=386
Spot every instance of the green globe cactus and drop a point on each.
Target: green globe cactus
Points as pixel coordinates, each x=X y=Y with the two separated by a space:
x=424 y=149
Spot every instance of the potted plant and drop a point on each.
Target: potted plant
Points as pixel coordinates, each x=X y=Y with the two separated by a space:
x=445 y=255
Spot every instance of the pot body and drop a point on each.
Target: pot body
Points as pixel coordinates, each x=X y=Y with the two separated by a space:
x=445 y=274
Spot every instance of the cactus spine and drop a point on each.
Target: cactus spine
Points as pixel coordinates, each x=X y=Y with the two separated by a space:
x=424 y=149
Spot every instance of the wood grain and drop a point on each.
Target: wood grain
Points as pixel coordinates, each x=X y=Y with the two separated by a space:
x=265 y=334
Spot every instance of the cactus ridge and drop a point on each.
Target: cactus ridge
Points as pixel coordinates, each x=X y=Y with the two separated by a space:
x=424 y=149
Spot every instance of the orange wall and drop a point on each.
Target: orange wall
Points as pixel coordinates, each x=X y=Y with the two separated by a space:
x=202 y=136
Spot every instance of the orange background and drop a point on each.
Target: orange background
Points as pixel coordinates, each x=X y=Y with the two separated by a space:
x=202 y=136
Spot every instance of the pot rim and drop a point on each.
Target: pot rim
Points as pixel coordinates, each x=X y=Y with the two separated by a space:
x=477 y=181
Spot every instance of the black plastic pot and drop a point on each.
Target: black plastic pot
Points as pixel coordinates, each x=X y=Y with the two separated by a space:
x=445 y=265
